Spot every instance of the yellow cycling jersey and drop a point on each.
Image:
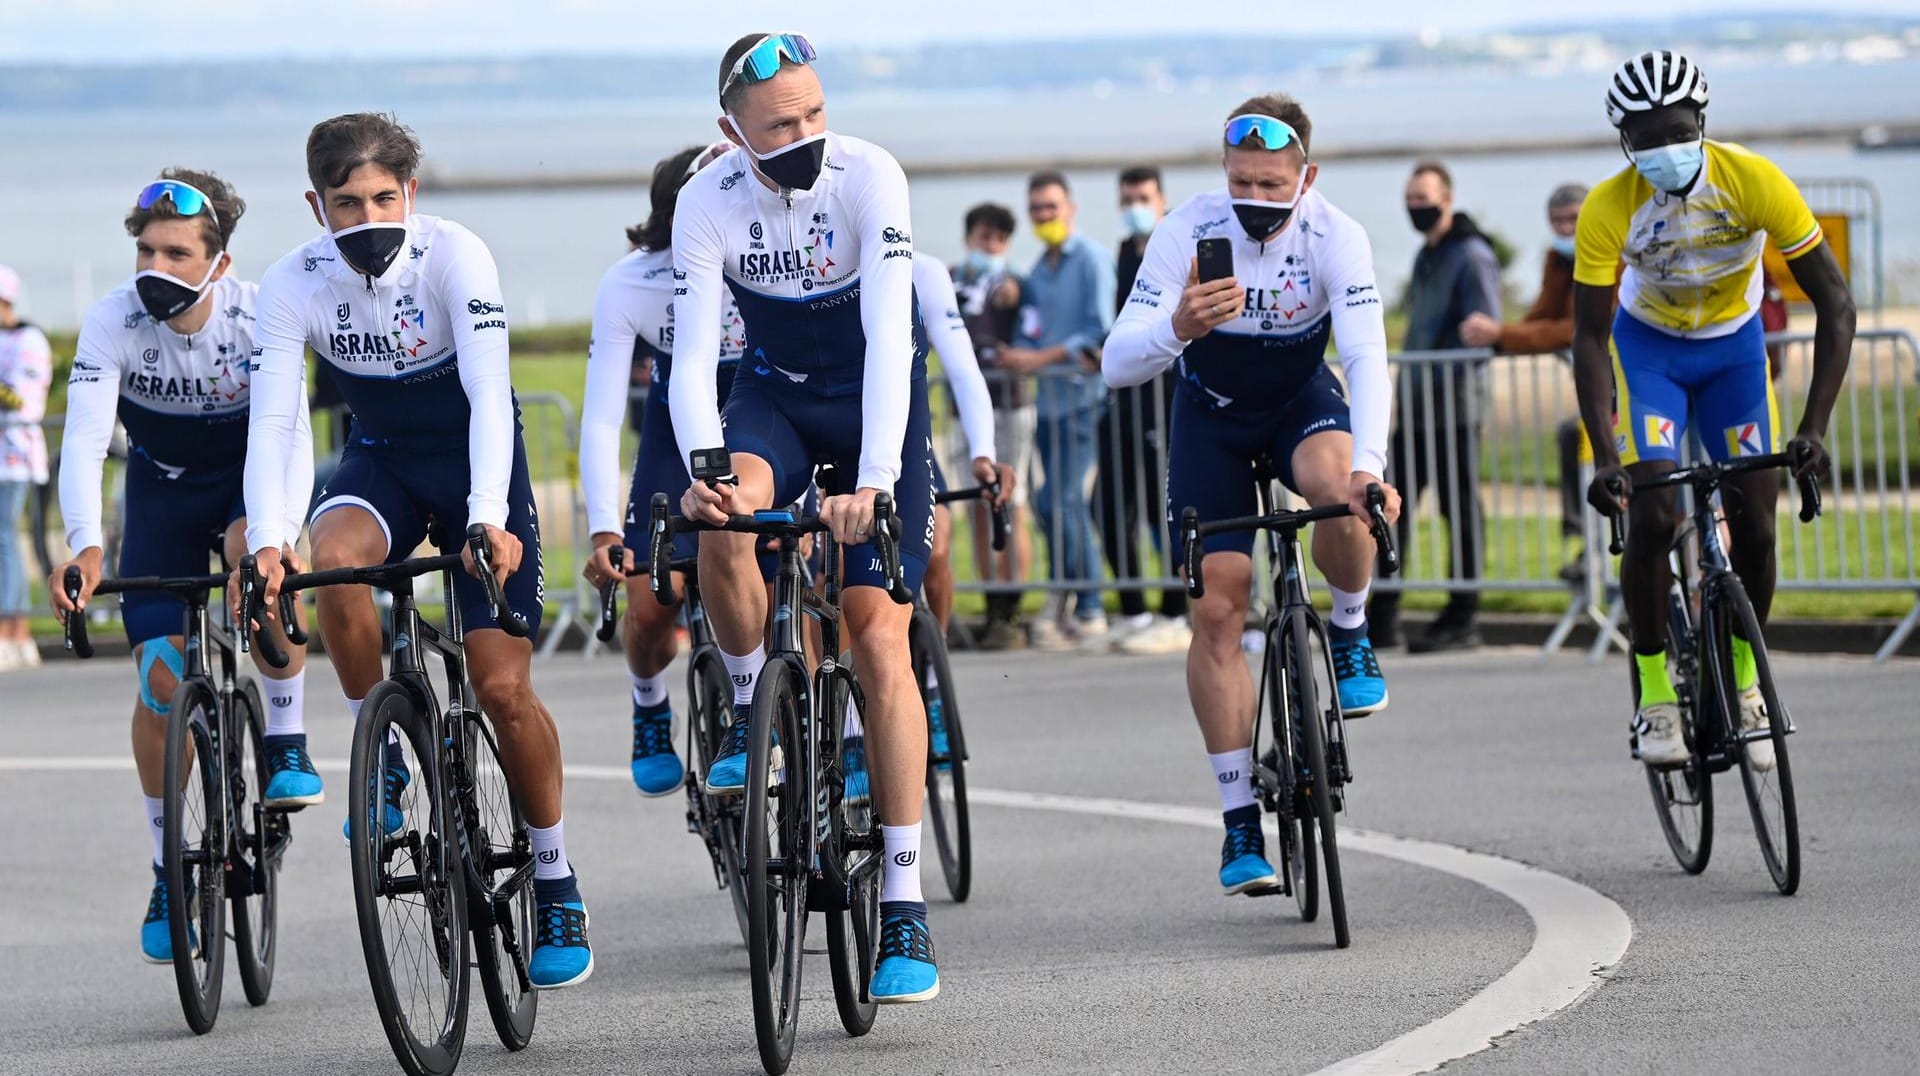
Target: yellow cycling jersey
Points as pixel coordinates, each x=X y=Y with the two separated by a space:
x=1692 y=262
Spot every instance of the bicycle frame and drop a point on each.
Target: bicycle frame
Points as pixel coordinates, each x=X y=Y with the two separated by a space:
x=1699 y=542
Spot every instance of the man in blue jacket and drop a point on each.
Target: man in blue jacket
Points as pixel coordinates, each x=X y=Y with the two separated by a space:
x=1437 y=439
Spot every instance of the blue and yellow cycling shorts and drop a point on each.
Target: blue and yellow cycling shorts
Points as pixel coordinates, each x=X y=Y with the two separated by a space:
x=1663 y=384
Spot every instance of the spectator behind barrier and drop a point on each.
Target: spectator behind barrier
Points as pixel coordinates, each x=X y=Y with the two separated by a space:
x=1546 y=327
x=1132 y=469
x=1455 y=276
x=989 y=295
x=1064 y=318
x=26 y=371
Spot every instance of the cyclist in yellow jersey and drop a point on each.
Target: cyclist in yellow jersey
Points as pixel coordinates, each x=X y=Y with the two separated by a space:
x=1689 y=220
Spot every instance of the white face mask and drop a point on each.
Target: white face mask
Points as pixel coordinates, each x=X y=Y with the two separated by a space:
x=373 y=247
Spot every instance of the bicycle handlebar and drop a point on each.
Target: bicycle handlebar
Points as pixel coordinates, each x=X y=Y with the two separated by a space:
x=253 y=625
x=77 y=640
x=990 y=492
x=776 y=523
x=610 y=596
x=1705 y=478
x=385 y=576
x=75 y=628
x=1192 y=531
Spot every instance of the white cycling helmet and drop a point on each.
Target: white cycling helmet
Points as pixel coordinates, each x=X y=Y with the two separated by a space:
x=1654 y=80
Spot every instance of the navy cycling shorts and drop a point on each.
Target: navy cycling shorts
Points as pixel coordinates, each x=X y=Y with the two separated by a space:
x=796 y=431
x=174 y=526
x=407 y=489
x=660 y=468
x=1211 y=452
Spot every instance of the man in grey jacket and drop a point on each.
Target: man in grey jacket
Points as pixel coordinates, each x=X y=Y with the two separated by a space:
x=1437 y=438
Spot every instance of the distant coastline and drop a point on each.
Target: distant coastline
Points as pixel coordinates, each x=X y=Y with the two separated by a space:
x=471 y=181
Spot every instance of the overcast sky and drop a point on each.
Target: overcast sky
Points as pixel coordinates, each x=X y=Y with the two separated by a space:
x=188 y=30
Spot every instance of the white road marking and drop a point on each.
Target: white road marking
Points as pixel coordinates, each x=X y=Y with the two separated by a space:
x=1579 y=934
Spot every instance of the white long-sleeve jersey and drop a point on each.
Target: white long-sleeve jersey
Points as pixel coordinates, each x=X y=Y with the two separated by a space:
x=183 y=400
x=824 y=280
x=420 y=355
x=947 y=335
x=1313 y=281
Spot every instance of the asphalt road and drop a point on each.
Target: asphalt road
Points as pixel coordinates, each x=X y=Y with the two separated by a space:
x=1092 y=943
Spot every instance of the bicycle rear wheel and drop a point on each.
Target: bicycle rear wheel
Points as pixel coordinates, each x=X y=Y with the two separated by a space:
x=408 y=887
x=946 y=769
x=195 y=858
x=500 y=901
x=853 y=932
x=1776 y=817
x=254 y=877
x=712 y=714
x=1316 y=783
x=778 y=849
x=1683 y=796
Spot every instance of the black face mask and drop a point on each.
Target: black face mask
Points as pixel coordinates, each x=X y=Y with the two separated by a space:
x=1262 y=219
x=167 y=297
x=1423 y=217
x=794 y=167
x=371 y=248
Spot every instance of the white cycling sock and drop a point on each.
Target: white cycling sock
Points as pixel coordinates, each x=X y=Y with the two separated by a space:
x=550 y=850
x=157 y=826
x=353 y=708
x=744 y=671
x=1233 y=772
x=286 y=702
x=649 y=691
x=1349 y=609
x=900 y=876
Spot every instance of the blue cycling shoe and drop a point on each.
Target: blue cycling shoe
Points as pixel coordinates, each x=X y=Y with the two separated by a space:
x=656 y=766
x=561 y=955
x=937 y=733
x=1243 y=858
x=906 y=972
x=156 y=936
x=854 y=756
x=1362 y=689
x=292 y=782
x=396 y=781
x=727 y=776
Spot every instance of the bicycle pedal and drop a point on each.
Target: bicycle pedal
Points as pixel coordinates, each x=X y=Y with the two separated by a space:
x=1263 y=891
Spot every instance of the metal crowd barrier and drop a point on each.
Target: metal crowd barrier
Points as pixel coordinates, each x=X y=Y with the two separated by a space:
x=1493 y=433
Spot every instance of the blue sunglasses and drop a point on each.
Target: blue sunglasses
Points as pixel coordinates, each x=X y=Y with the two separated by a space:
x=762 y=61
x=188 y=200
x=1273 y=134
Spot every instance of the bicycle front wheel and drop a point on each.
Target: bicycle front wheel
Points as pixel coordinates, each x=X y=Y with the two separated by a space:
x=261 y=837
x=1776 y=817
x=1315 y=780
x=1683 y=796
x=946 y=755
x=778 y=849
x=408 y=889
x=500 y=901
x=853 y=932
x=195 y=858
x=711 y=715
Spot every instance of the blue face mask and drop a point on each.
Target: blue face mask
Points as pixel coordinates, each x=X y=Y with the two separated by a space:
x=978 y=264
x=1563 y=246
x=1671 y=168
x=1137 y=218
